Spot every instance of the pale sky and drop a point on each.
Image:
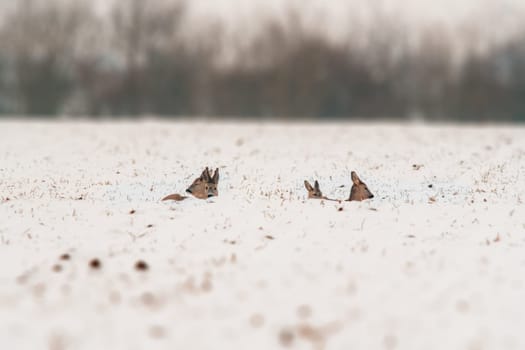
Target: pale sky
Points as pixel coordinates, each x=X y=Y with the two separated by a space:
x=417 y=10
x=493 y=14
x=495 y=20
x=238 y=12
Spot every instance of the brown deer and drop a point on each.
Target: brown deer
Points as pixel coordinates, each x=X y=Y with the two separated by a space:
x=315 y=192
x=359 y=191
x=205 y=186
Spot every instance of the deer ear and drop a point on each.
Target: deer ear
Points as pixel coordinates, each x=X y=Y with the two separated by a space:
x=308 y=187
x=215 y=178
x=355 y=179
x=316 y=186
x=205 y=174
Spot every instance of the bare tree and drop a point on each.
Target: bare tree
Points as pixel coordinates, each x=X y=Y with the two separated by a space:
x=143 y=32
x=60 y=56
x=39 y=40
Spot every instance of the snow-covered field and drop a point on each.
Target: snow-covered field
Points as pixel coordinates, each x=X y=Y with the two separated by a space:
x=435 y=261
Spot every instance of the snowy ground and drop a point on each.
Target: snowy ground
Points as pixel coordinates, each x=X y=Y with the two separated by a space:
x=435 y=261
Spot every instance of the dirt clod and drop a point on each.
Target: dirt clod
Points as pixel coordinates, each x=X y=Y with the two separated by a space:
x=141 y=265
x=257 y=320
x=65 y=256
x=157 y=332
x=95 y=264
x=286 y=337
x=304 y=311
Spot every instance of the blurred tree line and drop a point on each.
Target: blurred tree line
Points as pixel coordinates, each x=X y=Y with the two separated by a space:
x=62 y=58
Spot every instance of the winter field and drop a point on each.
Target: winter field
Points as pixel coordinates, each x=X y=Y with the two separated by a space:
x=435 y=261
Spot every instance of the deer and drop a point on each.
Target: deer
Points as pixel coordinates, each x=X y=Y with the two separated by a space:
x=315 y=192
x=203 y=187
x=358 y=192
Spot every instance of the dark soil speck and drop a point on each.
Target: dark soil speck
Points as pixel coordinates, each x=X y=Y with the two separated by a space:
x=141 y=265
x=286 y=337
x=65 y=256
x=95 y=264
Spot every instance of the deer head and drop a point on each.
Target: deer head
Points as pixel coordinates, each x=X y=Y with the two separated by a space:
x=205 y=185
x=359 y=189
x=313 y=192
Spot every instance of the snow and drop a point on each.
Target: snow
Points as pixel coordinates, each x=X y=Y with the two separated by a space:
x=434 y=261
